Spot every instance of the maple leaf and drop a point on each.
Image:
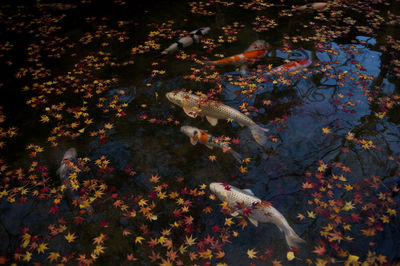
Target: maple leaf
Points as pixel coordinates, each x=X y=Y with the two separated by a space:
x=228 y=221
x=300 y=216
x=276 y=263
x=154 y=179
x=212 y=158
x=154 y=256
x=139 y=239
x=319 y=250
x=369 y=231
x=131 y=257
x=311 y=214
x=53 y=256
x=171 y=254
x=100 y=239
x=190 y=241
x=126 y=232
x=42 y=247
x=70 y=237
x=27 y=256
x=251 y=253
x=326 y=130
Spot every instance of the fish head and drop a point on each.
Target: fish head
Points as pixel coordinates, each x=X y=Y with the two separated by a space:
x=190 y=131
x=177 y=98
x=258 y=45
x=70 y=154
x=220 y=190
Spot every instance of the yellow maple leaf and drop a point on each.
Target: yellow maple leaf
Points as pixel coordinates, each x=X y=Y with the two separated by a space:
x=228 y=221
x=42 y=247
x=53 y=256
x=70 y=237
x=139 y=239
x=251 y=253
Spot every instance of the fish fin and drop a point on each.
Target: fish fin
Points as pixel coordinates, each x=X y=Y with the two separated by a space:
x=255 y=222
x=236 y=156
x=248 y=191
x=213 y=63
x=240 y=124
x=213 y=121
x=235 y=213
x=193 y=142
x=190 y=112
x=292 y=239
x=243 y=70
x=172 y=48
x=259 y=134
x=209 y=146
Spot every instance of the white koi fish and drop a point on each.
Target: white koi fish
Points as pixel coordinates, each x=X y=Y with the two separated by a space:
x=197 y=135
x=314 y=6
x=194 y=36
x=244 y=202
x=193 y=105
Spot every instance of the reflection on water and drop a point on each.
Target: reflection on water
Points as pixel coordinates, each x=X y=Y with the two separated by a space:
x=330 y=165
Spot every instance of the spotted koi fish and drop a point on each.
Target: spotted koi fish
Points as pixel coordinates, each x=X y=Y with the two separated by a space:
x=194 y=105
x=200 y=136
x=291 y=66
x=194 y=36
x=244 y=202
x=256 y=50
x=312 y=6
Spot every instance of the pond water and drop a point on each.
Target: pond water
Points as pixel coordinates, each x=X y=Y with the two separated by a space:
x=93 y=76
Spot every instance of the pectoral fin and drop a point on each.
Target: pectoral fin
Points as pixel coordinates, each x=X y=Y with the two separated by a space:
x=194 y=139
x=190 y=112
x=235 y=213
x=248 y=191
x=213 y=121
x=253 y=221
x=209 y=146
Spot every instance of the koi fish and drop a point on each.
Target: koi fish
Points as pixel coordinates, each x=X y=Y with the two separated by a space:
x=58 y=6
x=197 y=135
x=314 y=6
x=194 y=36
x=256 y=50
x=67 y=169
x=193 y=105
x=291 y=66
x=244 y=202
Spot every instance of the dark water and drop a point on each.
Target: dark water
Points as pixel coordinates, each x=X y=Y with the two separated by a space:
x=331 y=164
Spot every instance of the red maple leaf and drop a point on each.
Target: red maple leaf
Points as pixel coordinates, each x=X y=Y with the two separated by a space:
x=319 y=250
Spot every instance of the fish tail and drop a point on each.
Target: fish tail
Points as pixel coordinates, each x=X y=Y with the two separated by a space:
x=292 y=239
x=213 y=63
x=259 y=134
x=236 y=155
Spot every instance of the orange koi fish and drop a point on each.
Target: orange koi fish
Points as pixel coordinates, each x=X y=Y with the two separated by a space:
x=291 y=66
x=197 y=135
x=256 y=50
